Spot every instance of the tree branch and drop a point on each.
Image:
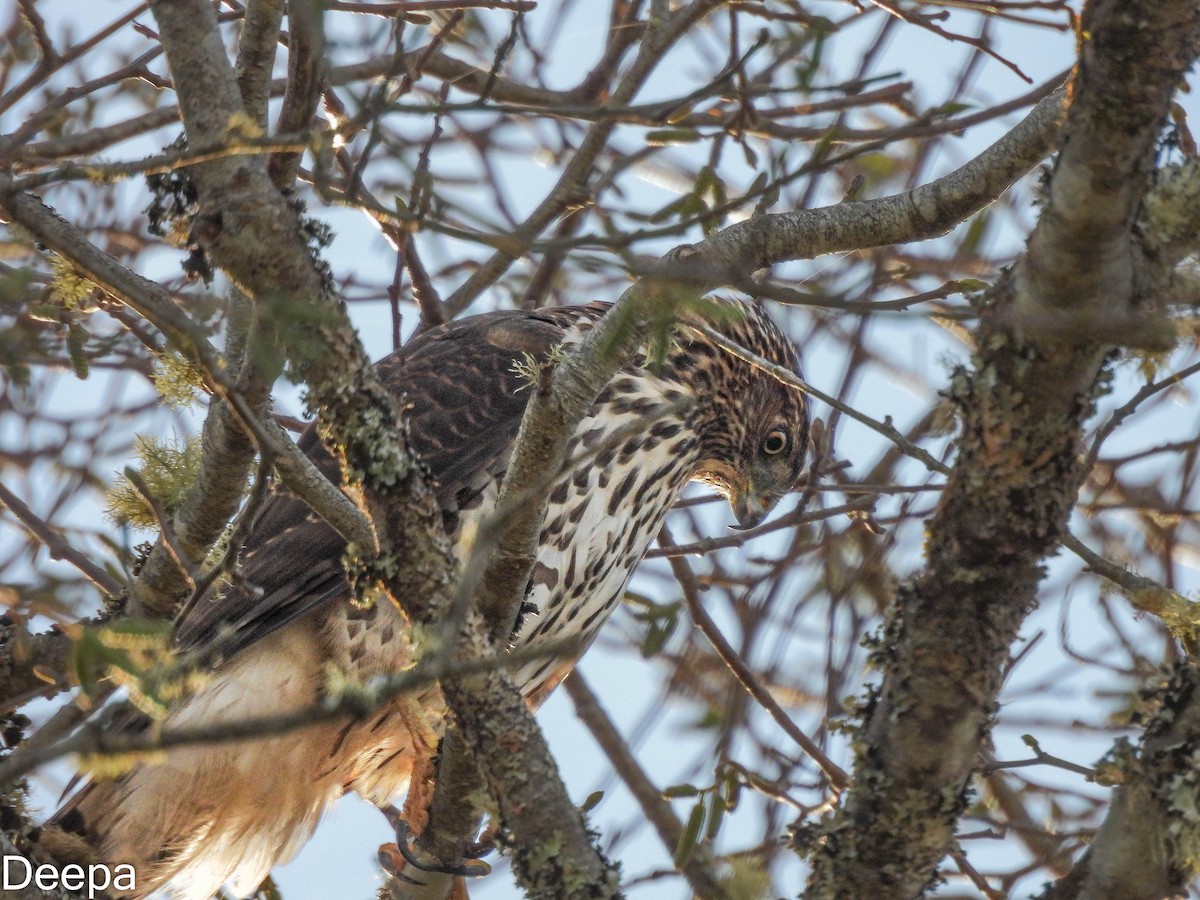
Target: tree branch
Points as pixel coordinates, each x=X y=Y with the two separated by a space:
x=1145 y=850
x=572 y=183
x=31 y=665
x=733 y=254
x=1017 y=474
x=358 y=419
x=306 y=75
x=57 y=546
x=256 y=56
x=97 y=738
x=698 y=869
x=217 y=489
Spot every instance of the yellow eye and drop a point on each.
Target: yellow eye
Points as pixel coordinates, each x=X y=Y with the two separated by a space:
x=775 y=442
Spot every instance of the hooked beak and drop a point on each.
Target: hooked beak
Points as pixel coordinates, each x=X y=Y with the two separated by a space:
x=750 y=507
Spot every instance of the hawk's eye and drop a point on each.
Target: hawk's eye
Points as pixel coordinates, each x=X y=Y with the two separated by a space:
x=775 y=442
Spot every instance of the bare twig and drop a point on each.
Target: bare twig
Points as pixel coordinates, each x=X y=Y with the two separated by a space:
x=58 y=547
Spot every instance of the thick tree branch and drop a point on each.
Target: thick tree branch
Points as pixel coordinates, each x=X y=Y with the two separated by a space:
x=452 y=818
x=513 y=753
x=1019 y=467
x=256 y=56
x=1172 y=210
x=731 y=255
x=358 y=419
x=31 y=665
x=157 y=306
x=1145 y=850
x=306 y=75
x=1080 y=248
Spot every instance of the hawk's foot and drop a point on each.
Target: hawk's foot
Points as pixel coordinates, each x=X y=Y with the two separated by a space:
x=396 y=858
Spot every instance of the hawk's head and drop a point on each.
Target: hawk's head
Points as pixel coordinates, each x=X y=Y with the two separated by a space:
x=753 y=427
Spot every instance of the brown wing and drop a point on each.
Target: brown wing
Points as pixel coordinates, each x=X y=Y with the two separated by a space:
x=465 y=403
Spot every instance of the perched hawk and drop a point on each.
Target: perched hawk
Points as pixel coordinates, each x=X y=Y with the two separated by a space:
x=225 y=814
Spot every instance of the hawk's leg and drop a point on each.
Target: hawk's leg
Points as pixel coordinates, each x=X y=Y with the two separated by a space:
x=434 y=832
x=470 y=867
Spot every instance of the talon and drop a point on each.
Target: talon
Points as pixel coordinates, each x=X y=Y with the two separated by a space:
x=473 y=869
x=482 y=847
x=393 y=817
x=477 y=849
x=392 y=861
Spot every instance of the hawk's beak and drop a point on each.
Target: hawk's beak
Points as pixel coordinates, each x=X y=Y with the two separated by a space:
x=750 y=507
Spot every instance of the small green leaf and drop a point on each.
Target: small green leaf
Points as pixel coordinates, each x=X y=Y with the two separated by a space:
x=77 y=338
x=951 y=109
x=680 y=790
x=717 y=808
x=652 y=643
x=660 y=630
x=592 y=801
x=666 y=136
x=976 y=231
x=690 y=836
x=857 y=186
x=84 y=663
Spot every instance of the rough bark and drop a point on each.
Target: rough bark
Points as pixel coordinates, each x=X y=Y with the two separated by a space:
x=358 y=417
x=731 y=255
x=31 y=665
x=1022 y=406
x=306 y=74
x=156 y=305
x=256 y=55
x=1148 y=846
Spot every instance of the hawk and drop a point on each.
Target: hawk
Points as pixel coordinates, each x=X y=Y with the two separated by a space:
x=224 y=814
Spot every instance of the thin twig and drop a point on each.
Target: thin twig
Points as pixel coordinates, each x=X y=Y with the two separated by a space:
x=799 y=517
x=186 y=567
x=59 y=548
x=837 y=776
x=698 y=867
x=99 y=738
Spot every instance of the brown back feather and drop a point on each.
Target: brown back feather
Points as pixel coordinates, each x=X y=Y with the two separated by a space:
x=464 y=404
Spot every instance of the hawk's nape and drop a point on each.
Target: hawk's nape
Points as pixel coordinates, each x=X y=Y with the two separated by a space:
x=224 y=814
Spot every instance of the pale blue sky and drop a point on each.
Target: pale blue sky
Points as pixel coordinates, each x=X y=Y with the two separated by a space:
x=339 y=862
